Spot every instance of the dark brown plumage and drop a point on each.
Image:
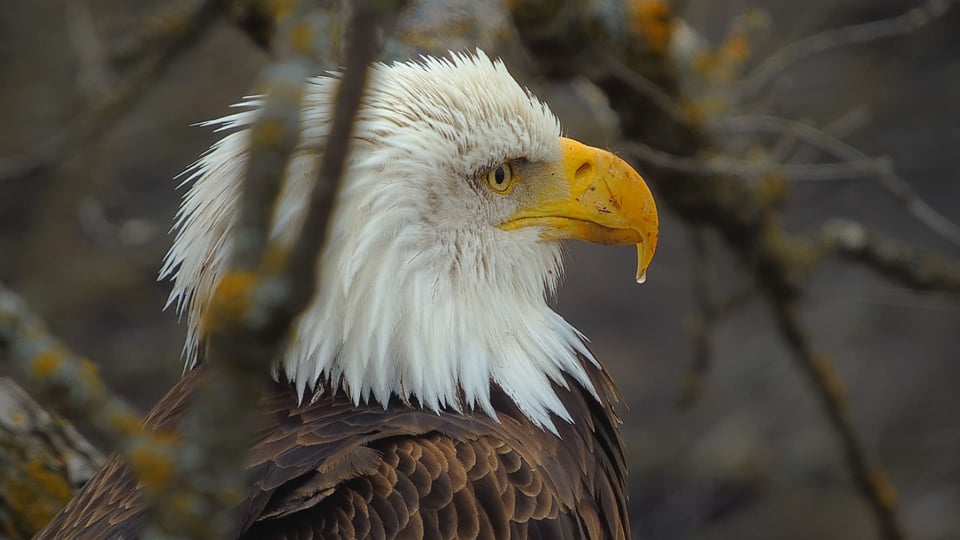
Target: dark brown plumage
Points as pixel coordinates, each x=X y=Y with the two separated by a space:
x=333 y=470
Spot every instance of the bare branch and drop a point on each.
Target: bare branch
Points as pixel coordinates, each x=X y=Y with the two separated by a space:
x=700 y=325
x=749 y=222
x=872 y=482
x=604 y=62
x=786 y=149
x=708 y=311
x=750 y=170
x=268 y=285
x=880 y=169
x=114 y=104
x=361 y=50
x=70 y=381
x=897 y=262
x=780 y=61
x=73 y=385
x=153 y=31
x=272 y=140
x=260 y=297
x=42 y=460
x=95 y=75
x=255 y=303
x=253 y=18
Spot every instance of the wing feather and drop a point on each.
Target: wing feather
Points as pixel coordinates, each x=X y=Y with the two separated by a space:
x=333 y=470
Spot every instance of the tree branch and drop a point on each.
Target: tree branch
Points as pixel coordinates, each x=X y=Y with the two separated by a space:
x=881 y=169
x=115 y=103
x=872 y=482
x=780 y=61
x=73 y=385
x=899 y=263
x=709 y=310
x=721 y=165
x=42 y=460
x=258 y=300
x=743 y=213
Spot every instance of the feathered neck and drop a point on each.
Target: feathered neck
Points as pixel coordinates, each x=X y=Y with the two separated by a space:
x=432 y=314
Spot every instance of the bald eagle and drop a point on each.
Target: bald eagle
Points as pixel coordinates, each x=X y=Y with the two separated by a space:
x=430 y=390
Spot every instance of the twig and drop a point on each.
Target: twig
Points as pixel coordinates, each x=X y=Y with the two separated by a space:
x=747 y=219
x=260 y=297
x=701 y=323
x=833 y=146
x=708 y=311
x=360 y=52
x=144 y=34
x=209 y=472
x=598 y=59
x=95 y=75
x=253 y=18
x=724 y=166
x=272 y=140
x=43 y=459
x=871 y=481
x=126 y=93
x=71 y=382
x=785 y=150
x=73 y=385
x=789 y=55
x=909 y=267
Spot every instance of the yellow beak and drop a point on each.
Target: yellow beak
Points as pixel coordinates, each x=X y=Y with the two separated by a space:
x=600 y=199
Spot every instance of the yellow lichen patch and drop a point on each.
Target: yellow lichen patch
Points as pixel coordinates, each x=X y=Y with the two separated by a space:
x=724 y=65
x=89 y=369
x=90 y=375
x=774 y=188
x=274 y=259
x=127 y=424
x=702 y=62
x=267 y=133
x=652 y=20
x=884 y=489
x=737 y=47
x=692 y=111
x=831 y=381
x=710 y=107
x=152 y=463
x=183 y=504
x=302 y=36
x=282 y=8
x=46 y=363
x=231 y=300
x=38 y=495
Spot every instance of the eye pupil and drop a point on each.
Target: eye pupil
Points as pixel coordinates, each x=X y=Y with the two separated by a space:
x=500 y=175
x=500 y=178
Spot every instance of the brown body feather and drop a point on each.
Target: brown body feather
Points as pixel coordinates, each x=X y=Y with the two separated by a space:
x=332 y=470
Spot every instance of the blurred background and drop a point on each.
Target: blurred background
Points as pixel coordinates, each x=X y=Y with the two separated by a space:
x=749 y=453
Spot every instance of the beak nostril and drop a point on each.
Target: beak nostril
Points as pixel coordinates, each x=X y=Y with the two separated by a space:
x=583 y=170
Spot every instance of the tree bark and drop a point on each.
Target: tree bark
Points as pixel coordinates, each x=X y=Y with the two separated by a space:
x=43 y=460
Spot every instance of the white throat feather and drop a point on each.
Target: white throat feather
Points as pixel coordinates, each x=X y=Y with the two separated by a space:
x=421 y=295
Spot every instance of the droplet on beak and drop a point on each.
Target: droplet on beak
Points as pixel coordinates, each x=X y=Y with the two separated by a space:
x=642 y=263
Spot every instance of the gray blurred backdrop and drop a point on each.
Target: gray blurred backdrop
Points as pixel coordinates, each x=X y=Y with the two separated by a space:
x=752 y=457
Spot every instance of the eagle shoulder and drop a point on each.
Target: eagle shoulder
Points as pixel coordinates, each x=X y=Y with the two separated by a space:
x=333 y=470
x=330 y=469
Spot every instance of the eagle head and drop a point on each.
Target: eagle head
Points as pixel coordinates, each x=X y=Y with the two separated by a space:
x=443 y=250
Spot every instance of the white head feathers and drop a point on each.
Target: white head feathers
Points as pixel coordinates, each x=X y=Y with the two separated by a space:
x=421 y=295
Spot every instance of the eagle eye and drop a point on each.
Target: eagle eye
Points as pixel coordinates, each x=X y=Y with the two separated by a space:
x=500 y=179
